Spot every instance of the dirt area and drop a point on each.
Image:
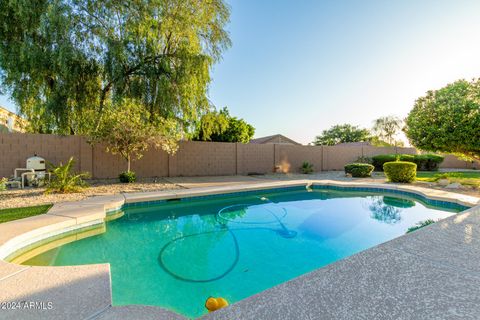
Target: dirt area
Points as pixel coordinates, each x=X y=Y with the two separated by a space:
x=14 y=198
x=35 y=196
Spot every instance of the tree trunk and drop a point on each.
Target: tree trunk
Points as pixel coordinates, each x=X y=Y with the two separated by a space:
x=128 y=163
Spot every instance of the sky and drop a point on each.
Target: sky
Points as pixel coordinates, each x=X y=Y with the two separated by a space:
x=299 y=67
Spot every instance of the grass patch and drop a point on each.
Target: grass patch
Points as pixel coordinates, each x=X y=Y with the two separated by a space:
x=420 y=225
x=20 y=213
x=467 y=178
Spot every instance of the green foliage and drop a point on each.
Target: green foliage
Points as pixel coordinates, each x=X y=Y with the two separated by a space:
x=221 y=127
x=129 y=130
x=127 y=177
x=420 y=225
x=386 y=128
x=359 y=170
x=377 y=142
x=65 y=62
x=3 y=184
x=400 y=171
x=342 y=134
x=447 y=120
x=427 y=162
x=363 y=159
x=64 y=180
x=306 y=167
x=380 y=159
x=24 y=212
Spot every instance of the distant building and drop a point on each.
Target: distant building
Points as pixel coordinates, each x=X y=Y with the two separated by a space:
x=275 y=139
x=11 y=122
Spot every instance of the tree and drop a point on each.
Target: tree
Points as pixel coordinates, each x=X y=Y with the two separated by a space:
x=221 y=127
x=386 y=129
x=127 y=129
x=447 y=120
x=64 y=62
x=342 y=134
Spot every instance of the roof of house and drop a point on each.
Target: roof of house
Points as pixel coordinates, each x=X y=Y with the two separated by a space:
x=18 y=125
x=268 y=139
x=5 y=110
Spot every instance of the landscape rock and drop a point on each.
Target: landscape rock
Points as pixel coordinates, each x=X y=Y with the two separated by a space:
x=454 y=185
x=443 y=182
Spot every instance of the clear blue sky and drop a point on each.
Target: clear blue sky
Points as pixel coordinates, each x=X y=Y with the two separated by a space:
x=298 y=67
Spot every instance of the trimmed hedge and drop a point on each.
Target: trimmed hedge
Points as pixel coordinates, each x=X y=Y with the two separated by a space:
x=428 y=162
x=400 y=171
x=359 y=170
x=424 y=162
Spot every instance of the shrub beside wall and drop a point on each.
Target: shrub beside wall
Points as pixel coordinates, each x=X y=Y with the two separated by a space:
x=359 y=170
x=424 y=162
x=428 y=162
x=400 y=171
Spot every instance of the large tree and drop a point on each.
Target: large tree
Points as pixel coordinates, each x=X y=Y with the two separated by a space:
x=341 y=134
x=447 y=120
x=222 y=127
x=65 y=62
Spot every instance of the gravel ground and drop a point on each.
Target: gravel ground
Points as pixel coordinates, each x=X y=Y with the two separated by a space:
x=15 y=198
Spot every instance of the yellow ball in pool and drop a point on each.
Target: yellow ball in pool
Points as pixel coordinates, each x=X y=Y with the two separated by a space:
x=213 y=304
x=222 y=303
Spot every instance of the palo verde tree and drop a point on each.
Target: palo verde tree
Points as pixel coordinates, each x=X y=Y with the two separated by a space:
x=447 y=120
x=342 y=133
x=129 y=130
x=222 y=127
x=386 y=129
x=65 y=62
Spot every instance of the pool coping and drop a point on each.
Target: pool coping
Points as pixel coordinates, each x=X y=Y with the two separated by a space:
x=91 y=211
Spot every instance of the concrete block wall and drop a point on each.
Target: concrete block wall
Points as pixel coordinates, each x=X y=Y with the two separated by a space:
x=196 y=158
x=292 y=156
x=193 y=158
x=255 y=158
x=451 y=161
x=15 y=148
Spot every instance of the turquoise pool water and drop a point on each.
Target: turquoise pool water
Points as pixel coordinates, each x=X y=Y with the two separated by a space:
x=177 y=254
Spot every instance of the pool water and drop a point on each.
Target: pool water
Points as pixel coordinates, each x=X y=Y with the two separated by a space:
x=177 y=254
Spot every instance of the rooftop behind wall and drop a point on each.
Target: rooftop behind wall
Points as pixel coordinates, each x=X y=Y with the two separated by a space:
x=193 y=158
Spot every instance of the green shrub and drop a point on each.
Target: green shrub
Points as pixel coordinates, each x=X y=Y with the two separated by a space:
x=306 y=167
x=420 y=225
x=380 y=159
x=363 y=159
x=359 y=170
x=426 y=162
x=3 y=184
x=127 y=177
x=400 y=171
x=64 y=180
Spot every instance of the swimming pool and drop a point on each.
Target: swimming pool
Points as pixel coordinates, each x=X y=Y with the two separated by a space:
x=175 y=254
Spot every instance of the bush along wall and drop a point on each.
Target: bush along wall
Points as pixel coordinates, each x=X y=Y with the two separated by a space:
x=359 y=170
x=424 y=162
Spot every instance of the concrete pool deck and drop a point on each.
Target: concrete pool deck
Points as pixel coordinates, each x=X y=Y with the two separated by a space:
x=428 y=274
